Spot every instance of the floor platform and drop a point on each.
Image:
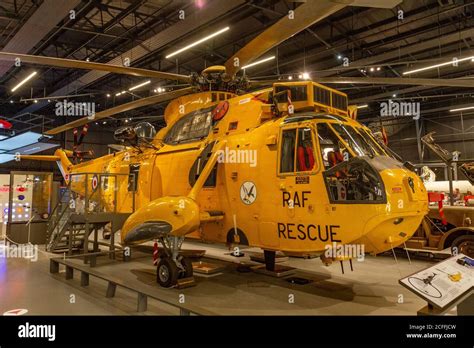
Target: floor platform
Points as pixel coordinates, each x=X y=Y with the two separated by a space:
x=371 y=289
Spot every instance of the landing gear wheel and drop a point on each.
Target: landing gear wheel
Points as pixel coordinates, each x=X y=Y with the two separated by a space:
x=167 y=273
x=188 y=268
x=464 y=245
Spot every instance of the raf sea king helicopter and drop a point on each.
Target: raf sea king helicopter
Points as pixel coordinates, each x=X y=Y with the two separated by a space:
x=312 y=175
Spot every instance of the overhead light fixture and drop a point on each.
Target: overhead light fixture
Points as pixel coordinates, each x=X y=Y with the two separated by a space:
x=29 y=77
x=197 y=42
x=362 y=106
x=305 y=76
x=258 y=62
x=11 y=101
x=462 y=109
x=120 y=93
x=339 y=57
x=108 y=95
x=378 y=68
x=290 y=77
x=140 y=85
x=438 y=65
x=36 y=101
x=371 y=69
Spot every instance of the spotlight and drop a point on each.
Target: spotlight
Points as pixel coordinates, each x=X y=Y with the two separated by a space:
x=378 y=68
x=11 y=101
x=290 y=77
x=305 y=76
x=394 y=95
x=108 y=95
x=371 y=69
x=339 y=57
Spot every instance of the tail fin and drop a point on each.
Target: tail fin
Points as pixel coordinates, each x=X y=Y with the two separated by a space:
x=61 y=157
x=64 y=164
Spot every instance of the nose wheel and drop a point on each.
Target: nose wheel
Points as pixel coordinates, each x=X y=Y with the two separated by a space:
x=167 y=272
x=172 y=266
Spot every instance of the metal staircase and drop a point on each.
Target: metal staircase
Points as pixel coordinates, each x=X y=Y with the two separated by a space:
x=65 y=232
x=69 y=228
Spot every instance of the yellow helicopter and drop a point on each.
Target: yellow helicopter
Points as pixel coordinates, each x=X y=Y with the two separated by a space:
x=283 y=168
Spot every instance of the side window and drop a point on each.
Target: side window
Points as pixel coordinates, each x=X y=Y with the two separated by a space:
x=305 y=151
x=297 y=151
x=133 y=177
x=212 y=178
x=288 y=142
x=332 y=149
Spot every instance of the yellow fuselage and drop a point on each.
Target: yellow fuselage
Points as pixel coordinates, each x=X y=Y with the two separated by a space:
x=308 y=224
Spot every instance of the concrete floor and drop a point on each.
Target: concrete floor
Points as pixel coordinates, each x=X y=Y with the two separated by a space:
x=372 y=289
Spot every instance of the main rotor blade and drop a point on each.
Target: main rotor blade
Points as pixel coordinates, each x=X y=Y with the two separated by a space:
x=79 y=64
x=155 y=99
x=304 y=16
x=466 y=83
x=399 y=81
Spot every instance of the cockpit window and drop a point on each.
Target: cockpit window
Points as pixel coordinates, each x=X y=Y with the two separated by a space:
x=354 y=140
x=387 y=150
x=377 y=148
x=287 y=164
x=333 y=151
x=305 y=151
x=297 y=151
x=191 y=127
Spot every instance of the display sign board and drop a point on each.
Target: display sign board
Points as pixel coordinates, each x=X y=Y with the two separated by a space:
x=19 y=311
x=444 y=283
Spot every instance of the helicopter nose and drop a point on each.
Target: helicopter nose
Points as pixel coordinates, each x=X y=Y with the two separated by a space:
x=147 y=231
x=393 y=197
x=406 y=205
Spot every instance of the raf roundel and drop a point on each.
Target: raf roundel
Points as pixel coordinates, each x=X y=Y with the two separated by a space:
x=95 y=182
x=248 y=192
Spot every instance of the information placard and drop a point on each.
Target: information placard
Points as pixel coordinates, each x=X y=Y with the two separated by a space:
x=444 y=283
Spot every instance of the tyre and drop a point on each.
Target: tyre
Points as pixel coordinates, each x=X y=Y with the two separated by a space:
x=464 y=245
x=188 y=266
x=167 y=273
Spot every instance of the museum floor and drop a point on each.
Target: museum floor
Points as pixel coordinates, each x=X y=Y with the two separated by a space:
x=371 y=289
